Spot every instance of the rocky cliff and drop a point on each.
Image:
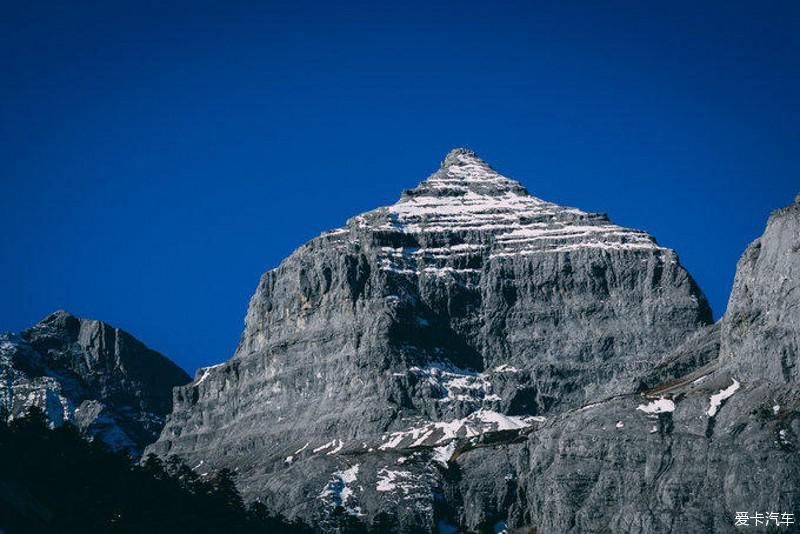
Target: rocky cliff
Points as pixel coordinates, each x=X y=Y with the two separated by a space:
x=718 y=436
x=89 y=373
x=761 y=329
x=463 y=356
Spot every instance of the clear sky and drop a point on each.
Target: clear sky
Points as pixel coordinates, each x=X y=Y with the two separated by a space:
x=156 y=158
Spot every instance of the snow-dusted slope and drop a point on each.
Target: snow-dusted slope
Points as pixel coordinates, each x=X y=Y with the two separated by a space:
x=467 y=210
x=467 y=195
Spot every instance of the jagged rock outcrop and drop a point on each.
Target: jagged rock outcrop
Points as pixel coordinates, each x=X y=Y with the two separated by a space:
x=462 y=322
x=96 y=376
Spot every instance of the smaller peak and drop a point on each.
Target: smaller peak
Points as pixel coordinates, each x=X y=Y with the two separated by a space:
x=58 y=316
x=462 y=156
x=59 y=319
x=460 y=151
x=793 y=208
x=58 y=323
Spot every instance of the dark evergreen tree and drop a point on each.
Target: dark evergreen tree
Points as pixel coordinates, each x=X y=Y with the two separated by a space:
x=53 y=480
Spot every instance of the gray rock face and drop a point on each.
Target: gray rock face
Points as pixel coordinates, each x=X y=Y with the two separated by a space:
x=761 y=335
x=83 y=371
x=403 y=368
x=715 y=434
x=616 y=467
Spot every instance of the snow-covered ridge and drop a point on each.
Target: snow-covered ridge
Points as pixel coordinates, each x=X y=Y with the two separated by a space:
x=469 y=211
x=436 y=433
x=486 y=216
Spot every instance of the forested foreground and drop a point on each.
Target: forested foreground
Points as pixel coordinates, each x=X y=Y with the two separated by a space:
x=54 y=480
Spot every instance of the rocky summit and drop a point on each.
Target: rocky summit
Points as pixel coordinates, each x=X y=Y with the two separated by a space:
x=474 y=358
x=88 y=373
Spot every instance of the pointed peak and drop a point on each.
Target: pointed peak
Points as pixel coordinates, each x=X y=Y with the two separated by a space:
x=57 y=324
x=61 y=313
x=793 y=209
x=59 y=316
x=461 y=156
x=463 y=172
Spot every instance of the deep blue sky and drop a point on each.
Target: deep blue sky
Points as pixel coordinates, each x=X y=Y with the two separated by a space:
x=156 y=159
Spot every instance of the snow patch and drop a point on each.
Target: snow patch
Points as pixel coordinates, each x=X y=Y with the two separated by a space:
x=206 y=372
x=657 y=406
x=336 y=444
x=718 y=398
x=454 y=384
x=390 y=480
x=444 y=453
x=339 y=492
x=436 y=433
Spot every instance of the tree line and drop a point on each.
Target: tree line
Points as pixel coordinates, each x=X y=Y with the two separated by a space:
x=54 y=480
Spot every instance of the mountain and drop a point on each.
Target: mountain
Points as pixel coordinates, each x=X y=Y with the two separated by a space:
x=402 y=370
x=98 y=377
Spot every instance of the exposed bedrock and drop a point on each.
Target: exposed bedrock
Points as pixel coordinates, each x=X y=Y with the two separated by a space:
x=474 y=355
